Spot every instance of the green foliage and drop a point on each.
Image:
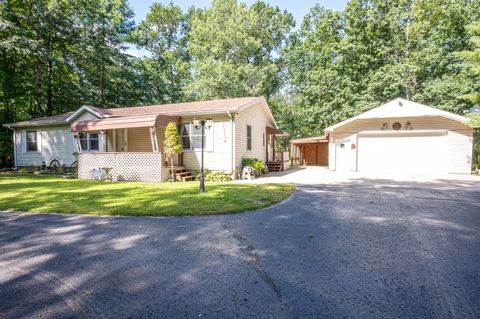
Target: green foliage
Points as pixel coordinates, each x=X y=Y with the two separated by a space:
x=164 y=33
x=474 y=120
x=254 y=163
x=172 y=144
x=235 y=49
x=340 y=64
x=217 y=176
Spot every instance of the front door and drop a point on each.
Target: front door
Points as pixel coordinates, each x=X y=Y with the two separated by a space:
x=343 y=156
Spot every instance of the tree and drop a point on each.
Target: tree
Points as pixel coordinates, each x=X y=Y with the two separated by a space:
x=340 y=64
x=164 y=33
x=56 y=55
x=172 y=144
x=235 y=49
x=472 y=62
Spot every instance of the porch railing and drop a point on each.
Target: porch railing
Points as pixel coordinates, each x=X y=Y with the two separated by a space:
x=122 y=166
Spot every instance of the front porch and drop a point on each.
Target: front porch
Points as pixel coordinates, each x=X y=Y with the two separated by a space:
x=120 y=149
x=276 y=160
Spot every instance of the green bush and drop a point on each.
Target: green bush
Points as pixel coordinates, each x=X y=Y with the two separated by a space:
x=257 y=165
x=217 y=176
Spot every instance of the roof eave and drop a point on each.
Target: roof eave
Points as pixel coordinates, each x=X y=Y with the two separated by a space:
x=202 y=112
x=85 y=108
x=14 y=125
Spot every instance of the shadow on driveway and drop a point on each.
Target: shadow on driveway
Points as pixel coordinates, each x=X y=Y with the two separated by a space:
x=363 y=248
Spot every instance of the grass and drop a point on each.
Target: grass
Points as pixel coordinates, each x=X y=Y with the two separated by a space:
x=48 y=193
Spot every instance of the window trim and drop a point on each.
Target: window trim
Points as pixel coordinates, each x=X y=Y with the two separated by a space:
x=249 y=137
x=27 y=142
x=88 y=140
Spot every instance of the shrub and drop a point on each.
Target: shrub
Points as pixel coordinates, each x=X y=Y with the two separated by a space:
x=257 y=165
x=214 y=176
x=217 y=176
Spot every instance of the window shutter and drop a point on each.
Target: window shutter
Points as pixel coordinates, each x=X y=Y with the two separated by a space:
x=39 y=141
x=23 y=141
x=209 y=138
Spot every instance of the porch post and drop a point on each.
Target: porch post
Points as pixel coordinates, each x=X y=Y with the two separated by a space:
x=76 y=137
x=153 y=139
x=274 y=142
x=267 y=136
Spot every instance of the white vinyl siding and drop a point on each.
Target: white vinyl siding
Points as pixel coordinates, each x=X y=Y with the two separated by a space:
x=256 y=117
x=54 y=143
x=218 y=153
x=460 y=152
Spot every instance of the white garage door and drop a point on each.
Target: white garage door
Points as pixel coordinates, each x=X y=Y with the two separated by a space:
x=403 y=152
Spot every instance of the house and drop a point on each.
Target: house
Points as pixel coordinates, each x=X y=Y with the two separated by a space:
x=128 y=142
x=402 y=137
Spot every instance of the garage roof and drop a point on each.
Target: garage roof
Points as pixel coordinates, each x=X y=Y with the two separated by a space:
x=400 y=108
x=310 y=140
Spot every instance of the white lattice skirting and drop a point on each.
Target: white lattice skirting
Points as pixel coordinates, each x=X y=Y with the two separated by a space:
x=140 y=167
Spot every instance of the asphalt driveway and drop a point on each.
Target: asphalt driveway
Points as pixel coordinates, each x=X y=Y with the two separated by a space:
x=360 y=248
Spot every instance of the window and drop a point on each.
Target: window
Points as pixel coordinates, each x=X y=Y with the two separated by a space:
x=249 y=137
x=196 y=137
x=192 y=137
x=32 y=145
x=185 y=135
x=89 y=141
x=94 y=142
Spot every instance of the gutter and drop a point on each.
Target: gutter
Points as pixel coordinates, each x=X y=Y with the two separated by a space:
x=14 y=145
x=232 y=126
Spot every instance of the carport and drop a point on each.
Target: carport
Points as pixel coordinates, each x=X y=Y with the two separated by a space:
x=310 y=151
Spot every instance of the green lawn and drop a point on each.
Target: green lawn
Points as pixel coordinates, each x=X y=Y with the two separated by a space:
x=47 y=193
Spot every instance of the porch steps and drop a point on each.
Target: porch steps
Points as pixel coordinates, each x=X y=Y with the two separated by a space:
x=275 y=166
x=183 y=175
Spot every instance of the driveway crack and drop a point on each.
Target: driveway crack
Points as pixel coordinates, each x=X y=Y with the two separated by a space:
x=247 y=246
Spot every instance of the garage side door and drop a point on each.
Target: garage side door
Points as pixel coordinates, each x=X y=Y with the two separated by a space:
x=403 y=152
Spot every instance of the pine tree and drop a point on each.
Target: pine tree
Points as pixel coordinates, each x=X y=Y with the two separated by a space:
x=172 y=144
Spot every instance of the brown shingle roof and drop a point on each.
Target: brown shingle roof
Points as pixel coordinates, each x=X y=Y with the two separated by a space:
x=211 y=106
x=48 y=120
x=180 y=108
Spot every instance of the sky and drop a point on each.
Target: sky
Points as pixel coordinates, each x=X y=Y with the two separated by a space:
x=296 y=7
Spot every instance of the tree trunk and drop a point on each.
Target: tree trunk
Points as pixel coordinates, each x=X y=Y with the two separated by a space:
x=173 y=172
x=37 y=104
x=49 y=110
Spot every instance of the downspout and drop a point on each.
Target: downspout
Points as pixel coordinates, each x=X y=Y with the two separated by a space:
x=232 y=126
x=14 y=146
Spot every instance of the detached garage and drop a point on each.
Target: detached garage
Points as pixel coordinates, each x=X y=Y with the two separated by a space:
x=402 y=137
